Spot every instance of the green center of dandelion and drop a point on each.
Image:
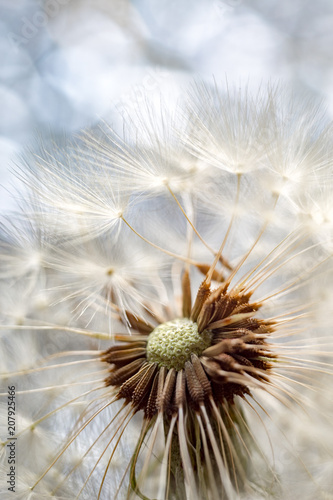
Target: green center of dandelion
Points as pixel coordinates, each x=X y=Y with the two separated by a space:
x=172 y=343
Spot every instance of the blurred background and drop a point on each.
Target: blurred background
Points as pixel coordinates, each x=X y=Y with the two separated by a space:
x=65 y=64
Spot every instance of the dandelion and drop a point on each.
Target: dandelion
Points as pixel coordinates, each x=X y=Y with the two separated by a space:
x=166 y=305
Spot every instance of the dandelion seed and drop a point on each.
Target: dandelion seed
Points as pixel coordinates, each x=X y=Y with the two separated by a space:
x=165 y=308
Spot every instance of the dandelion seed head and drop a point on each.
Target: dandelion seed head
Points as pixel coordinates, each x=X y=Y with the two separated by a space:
x=167 y=298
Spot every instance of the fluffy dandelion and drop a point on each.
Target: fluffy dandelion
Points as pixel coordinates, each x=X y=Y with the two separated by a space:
x=166 y=305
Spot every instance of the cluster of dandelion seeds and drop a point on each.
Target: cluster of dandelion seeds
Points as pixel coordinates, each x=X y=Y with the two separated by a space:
x=166 y=305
